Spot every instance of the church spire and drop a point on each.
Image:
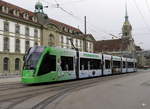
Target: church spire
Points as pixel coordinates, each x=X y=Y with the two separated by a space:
x=127 y=28
x=126 y=12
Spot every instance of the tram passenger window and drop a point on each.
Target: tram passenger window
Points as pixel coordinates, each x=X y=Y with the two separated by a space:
x=90 y=64
x=116 y=64
x=66 y=63
x=135 y=65
x=124 y=64
x=48 y=64
x=107 y=64
x=130 y=65
x=84 y=64
x=95 y=64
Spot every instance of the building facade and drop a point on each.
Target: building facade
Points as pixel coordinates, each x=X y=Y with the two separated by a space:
x=123 y=46
x=19 y=30
x=58 y=34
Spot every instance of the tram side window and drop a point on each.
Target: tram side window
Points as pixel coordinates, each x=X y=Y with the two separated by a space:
x=90 y=64
x=107 y=64
x=84 y=64
x=116 y=64
x=124 y=64
x=48 y=64
x=130 y=65
x=66 y=63
x=135 y=65
x=95 y=64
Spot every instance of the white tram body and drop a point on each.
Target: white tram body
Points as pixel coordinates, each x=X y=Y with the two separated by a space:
x=135 y=65
x=116 y=65
x=107 y=68
x=130 y=65
x=124 y=65
x=90 y=65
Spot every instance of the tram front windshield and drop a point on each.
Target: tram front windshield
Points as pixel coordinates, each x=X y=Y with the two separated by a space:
x=32 y=57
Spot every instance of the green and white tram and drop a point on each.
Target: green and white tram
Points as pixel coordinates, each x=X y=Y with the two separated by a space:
x=51 y=64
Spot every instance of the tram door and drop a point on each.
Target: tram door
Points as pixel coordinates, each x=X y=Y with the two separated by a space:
x=116 y=65
x=107 y=65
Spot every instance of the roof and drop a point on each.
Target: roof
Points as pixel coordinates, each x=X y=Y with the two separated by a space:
x=21 y=10
x=91 y=37
x=57 y=23
x=30 y=13
x=110 y=45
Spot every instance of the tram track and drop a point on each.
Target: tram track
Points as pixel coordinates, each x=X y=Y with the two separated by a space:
x=21 y=95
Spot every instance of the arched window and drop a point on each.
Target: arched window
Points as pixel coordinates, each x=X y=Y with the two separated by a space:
x=51 y=40
x=17 y=64
x=6 y=44
x=17 y=46
x=6 y=64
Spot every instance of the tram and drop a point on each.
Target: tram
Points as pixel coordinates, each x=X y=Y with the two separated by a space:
x=50 y=64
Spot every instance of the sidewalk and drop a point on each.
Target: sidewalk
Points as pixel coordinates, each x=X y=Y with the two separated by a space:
x=10 y=78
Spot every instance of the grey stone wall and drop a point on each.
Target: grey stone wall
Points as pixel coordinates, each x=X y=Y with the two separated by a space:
x=11 y=65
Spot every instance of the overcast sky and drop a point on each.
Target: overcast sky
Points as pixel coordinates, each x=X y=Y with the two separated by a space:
x=103 y=16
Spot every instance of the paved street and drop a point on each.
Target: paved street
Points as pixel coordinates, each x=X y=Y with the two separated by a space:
x=130 y=92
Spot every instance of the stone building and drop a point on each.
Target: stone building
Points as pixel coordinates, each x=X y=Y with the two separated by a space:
x=58 y=34
x=118 y=46
x=21 y=29
x=123 y=46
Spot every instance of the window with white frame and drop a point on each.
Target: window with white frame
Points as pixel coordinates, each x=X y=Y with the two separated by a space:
x=5 y=9
x=17 y=45
x=35 y=33
x=76 y=42
x=27 y=31
x=34 y=19
x=6 y=26
x=17 y=64
x=26 y=16
x=51 y=40
x=17 y=29
x=62 y=41
x=16 y=12
x=67 y=42
x=6 y=64
x=81 y=44
x=6 y=44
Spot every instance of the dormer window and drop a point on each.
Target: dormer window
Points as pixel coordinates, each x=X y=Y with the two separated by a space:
x=70 y=31
x=26 y=16
x=65 y=29
x=16 y=12
x=34 y=19
x=5 y=9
